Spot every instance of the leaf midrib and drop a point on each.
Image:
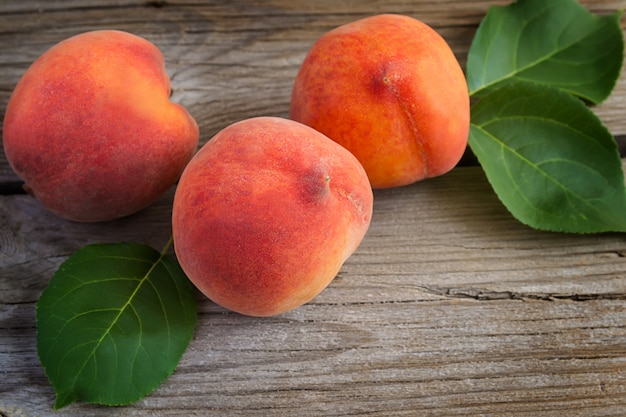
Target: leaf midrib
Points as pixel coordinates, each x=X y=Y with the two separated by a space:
x=534 y=166
x=516 y=71
x=122 y=309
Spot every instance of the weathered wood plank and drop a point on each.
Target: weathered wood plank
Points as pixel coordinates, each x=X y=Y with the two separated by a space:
x=452 y=358
x=234 y=60
x=442 y=233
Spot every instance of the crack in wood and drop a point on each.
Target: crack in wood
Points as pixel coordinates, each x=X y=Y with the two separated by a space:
x=488 y=295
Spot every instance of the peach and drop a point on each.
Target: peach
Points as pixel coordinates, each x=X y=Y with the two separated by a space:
x=266 y=213
x=90 y=128
x=389 y=89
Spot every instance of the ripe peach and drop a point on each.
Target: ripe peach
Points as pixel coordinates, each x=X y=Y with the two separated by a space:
x=90 y=128
x=266 y=213
x=389 y=89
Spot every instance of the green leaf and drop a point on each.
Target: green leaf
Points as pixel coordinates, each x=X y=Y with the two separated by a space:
x=557 y=43
x=550 y=160
x=113 y=323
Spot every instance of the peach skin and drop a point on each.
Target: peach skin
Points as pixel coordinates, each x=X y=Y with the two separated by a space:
x=266 y=213
x=90 y=128
x=390 y=90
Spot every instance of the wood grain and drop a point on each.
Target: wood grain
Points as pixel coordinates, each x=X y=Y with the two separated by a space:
x=450 y=307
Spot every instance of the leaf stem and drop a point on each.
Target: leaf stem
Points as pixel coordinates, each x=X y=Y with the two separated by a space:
x=167 y=246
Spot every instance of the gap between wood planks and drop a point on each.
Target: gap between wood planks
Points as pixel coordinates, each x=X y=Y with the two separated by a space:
x=468 y=159
x=11 y=188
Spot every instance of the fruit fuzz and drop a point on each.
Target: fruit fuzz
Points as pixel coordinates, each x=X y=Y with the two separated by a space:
x=266 y=213
x=390 y=90
x=90 y=128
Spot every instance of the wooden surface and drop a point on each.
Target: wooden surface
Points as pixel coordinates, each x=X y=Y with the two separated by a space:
x=450 y=307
